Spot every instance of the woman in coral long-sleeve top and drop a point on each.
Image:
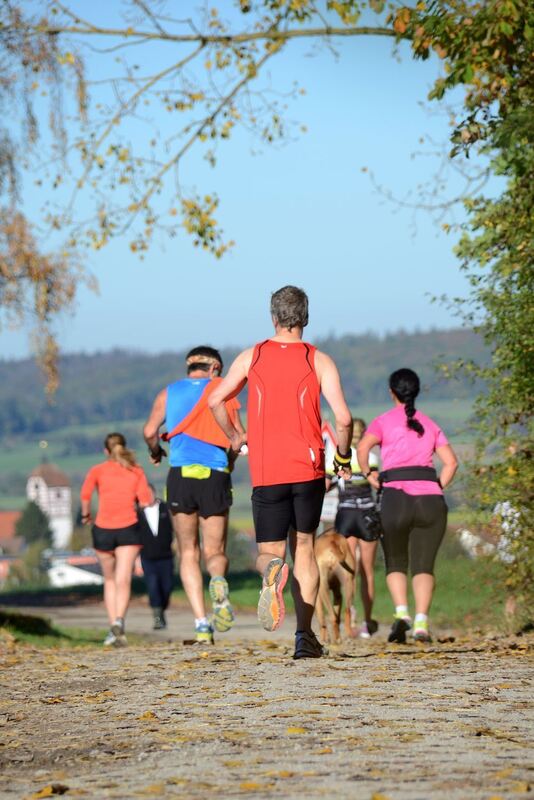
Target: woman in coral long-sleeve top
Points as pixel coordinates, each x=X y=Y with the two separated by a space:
x=120 y=482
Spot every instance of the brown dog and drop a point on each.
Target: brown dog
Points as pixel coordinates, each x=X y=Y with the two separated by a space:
x=336 y=574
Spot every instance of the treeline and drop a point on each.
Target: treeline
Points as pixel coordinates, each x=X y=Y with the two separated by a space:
x=120 y=385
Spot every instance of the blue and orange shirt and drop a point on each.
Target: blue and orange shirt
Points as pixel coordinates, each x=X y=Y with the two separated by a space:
x=185 y=450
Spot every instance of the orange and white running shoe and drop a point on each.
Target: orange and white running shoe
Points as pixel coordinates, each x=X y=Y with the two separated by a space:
x=271 y=608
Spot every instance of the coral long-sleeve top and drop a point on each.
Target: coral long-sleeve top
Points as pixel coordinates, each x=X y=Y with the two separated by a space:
x=118 y=488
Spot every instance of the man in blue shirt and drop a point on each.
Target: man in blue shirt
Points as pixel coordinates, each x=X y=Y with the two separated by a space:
x=199 y=489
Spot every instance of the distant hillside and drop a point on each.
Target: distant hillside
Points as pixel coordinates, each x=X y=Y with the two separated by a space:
x=120 y=385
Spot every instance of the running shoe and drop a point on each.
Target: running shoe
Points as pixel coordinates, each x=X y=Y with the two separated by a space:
x=223 y=614
x=398 y=630
x=160 y=623
x=117 y=629
x=420 y=632
x=307 y=645
x=204 y=633
x=367 y=629
x=110 y=640
x=271 y=608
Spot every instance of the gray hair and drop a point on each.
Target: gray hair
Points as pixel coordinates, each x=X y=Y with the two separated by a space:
x=289 y=307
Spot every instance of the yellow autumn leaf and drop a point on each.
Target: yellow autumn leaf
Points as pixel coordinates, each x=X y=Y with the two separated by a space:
x=50 y=790
x=252 y=786
x=152 y=789
x=377 y=796
x=503 y=773
x=147 y=715
x=293 y=730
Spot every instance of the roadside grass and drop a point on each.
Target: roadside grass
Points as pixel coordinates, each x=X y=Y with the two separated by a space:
x=40 y=632
x=468 y=593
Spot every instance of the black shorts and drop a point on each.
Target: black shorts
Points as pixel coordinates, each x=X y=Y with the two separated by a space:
x=278 y=508
x=210 y=497
x=108 y=539
x=414 y=526
x=351 y=522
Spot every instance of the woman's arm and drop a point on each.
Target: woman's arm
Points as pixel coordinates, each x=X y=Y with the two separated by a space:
x=86 y=493
x=447 y=456
x=368 y=441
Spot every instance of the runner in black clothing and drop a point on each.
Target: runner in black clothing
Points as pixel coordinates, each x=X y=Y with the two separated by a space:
x=157 y=558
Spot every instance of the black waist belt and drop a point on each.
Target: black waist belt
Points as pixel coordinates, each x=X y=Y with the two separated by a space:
x=409 y=474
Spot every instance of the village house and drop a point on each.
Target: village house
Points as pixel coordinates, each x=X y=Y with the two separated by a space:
x=50 y=489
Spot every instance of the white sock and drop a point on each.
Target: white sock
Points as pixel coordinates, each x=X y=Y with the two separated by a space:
x=421 y=618
x=200 y=621
x=402 y=611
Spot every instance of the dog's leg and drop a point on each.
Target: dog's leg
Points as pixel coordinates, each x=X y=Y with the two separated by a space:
x=322 y=600
x=338 y=600
x=348 y=591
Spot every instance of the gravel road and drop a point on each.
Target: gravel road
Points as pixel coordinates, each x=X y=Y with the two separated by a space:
x=448 y=721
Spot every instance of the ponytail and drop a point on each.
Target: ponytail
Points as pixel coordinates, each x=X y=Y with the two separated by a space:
x=115 y=444
x=405 y=385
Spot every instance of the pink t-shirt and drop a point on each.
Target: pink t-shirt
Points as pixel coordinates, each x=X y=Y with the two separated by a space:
x=402 y=447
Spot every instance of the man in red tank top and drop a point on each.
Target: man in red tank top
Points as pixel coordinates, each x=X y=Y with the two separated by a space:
x=286 y=377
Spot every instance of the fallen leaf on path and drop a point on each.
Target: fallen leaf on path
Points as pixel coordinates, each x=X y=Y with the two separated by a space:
x=279 y=773
x=152 y=789
x=504 y=773
x=147 y=715
x=293 y=730
x=252 y=786
x=497 y=734
x=50 y=790
x=98 y=697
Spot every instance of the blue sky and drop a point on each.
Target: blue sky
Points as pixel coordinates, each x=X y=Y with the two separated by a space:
x=301 y=213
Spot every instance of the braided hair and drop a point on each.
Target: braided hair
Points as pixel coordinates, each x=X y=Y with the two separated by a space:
x=405 y=385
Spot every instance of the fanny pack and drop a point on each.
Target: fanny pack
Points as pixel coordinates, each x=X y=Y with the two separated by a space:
x=408 y=474
x=199 y=472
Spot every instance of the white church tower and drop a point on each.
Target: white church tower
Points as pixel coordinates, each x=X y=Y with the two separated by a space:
x=49 y=488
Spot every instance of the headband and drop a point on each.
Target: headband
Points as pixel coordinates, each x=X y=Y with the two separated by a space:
x=202 y=360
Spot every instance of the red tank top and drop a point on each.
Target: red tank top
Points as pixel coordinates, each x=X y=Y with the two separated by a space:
x=284 y=414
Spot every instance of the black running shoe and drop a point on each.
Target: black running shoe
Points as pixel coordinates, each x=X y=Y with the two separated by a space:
x=398 y=630
x=307 y=645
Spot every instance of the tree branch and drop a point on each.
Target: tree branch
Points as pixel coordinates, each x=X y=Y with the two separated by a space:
x=236 y=38
x=155 y=181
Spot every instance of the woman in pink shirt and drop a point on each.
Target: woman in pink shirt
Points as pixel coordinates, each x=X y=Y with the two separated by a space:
x=413 y=509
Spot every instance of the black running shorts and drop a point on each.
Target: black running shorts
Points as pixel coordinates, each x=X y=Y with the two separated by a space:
x=278 y=508
x=209 y=497
x=350 y=522
x=107 y=539
x=414 y=526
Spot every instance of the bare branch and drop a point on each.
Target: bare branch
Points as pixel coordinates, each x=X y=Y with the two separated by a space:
x=226 y=39
x=156 y=180
x=143 y=6
x=126 y=107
